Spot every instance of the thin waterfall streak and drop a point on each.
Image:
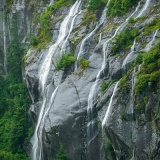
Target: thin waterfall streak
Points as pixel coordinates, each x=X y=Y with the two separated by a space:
x=133 y=46
x=45 y=115
x=110 y=105
x=72 y=25
x=45 y=67
x=4 y=46
x=43 y=76
x=51 y=2
x=36 y=137
x=149 y=45
x=100 y=37
x=81 y=50
x=144 y=8
x=129 y=54
x=106 y=44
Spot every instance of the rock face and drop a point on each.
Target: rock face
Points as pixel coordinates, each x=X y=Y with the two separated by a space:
x=74 y=111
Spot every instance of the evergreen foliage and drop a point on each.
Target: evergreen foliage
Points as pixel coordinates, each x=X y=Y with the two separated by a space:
x=93 y=4
x=61 y=155
x=120 y=7
x=14 y=104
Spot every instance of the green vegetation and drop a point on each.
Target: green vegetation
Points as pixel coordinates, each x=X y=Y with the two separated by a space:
x=152 y=26
x=8 y=3
x=104 y=86
x=150 y=70
x=15 y=127
x=109 y=151
x=140 y=19
x=94 y=4
x=61 y=155
x=83 y=63
x=139 y=59
x=44 y=34
x=88 y=17
x=34 y=40
x=124 y=40
x=66 y=60
x=118 y=8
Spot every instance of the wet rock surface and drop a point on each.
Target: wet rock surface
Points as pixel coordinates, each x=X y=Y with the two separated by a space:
x=133 y=133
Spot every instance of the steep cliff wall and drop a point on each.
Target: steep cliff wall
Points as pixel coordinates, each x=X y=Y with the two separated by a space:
x=93 y=79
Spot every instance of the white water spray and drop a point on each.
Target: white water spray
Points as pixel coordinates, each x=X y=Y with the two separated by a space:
x=109 y=109
x=63 y=32
x=44 y=70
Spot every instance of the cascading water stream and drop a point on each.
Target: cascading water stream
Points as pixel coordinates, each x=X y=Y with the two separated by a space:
x=81 y=50
x=109 y=109
x=45 y=68
x=129 y=56
x=91 y=97
x=149 y=45
x=4 y=45
x=144 y=8
x=65 y=29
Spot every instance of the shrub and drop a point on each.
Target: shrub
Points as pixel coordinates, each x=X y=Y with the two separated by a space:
x=94 y=4
x=61 y=155
x=124 y=39
x=150 y=70
x=34 y=40
x=65 y=61
x=104 y=86
x=139 y=59
x=109 y=151
x=116 y=7
x=83 y=63
x=152 y=26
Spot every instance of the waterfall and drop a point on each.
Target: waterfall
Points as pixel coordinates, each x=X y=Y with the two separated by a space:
x=51 y=2
x=100 y=37
x=149 y=45
x=37 y=146
x=91 y=108
x=43 y=74
x=109 y=109
x=63 y=32
x=4 y=45
x=130 y=55
x=144 y=8
x=82 y=49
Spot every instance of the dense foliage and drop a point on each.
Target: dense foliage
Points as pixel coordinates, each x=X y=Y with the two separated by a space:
x=150 y=70
x=94 y=4
x=14 y=120
x=83 y=63
x=104 y=86
x=124 y=40
x=61 y=154
x=8 y=3
x=120 y=7
x=66 y=60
